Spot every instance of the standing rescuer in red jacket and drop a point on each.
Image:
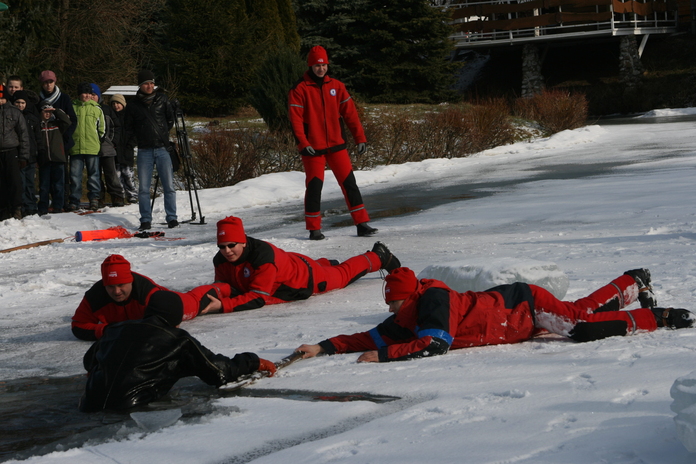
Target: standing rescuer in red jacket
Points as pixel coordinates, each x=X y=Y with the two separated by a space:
x=430 y=318
x=122 y=295
x=319 y=107
x=259 y=273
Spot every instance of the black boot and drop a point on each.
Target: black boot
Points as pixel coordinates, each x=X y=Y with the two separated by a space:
x=364 y=230
x=316 y=235
x=646 y=297
x=673 y=318
x=389 y=261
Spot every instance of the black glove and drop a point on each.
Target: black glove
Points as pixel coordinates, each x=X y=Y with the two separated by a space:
x=362 y=148
x=308 y=151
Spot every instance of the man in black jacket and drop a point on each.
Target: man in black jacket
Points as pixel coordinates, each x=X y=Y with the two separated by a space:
x=136 y=362
x=149 y=118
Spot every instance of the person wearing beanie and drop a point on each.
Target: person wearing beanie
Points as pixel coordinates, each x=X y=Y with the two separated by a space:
x=124 y=149
x=52 y=158
x=123 y=295
x=148 y=119
x=25 y=101
x=15 y=152
x=138 y=361
x=84 y=155
x=261 y=273
x=118 y=98
x=107 y=154
x=318 y=107
x=429 y=318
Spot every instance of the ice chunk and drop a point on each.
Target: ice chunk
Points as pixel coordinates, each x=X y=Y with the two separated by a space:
x=155 y=420
x=683 y=393
x=481 y=274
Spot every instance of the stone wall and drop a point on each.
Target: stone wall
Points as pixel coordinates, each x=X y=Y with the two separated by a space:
x=532 y=79
x=630 y=67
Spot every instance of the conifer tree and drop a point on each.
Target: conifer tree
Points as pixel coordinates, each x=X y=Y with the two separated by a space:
x=402 y=51
x=207 y=51
x=212 y=49
x=81 y=40
x=384 y=51
x=269 y=96
x=289 y=24
x=276 y=24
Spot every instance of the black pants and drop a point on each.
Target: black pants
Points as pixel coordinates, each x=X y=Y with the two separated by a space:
x=112 y=181
x=10 y=182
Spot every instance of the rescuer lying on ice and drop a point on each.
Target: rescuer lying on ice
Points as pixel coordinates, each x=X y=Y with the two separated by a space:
x=122 y=295
x=136 y=362
x=261 y=273
x=430 y=318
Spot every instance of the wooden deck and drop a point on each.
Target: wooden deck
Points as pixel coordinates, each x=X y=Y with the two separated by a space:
x=501 y=22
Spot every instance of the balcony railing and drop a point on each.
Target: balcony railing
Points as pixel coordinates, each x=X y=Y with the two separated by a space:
x=484 y=22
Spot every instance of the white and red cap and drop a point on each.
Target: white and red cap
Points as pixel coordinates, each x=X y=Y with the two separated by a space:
x=116 y=270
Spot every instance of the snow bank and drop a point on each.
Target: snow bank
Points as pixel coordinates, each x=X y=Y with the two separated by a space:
x=481 y=274
x=683 y=392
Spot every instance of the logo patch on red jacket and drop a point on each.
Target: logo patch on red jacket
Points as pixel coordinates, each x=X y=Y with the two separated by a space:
x=332 y=92
x=247 y=272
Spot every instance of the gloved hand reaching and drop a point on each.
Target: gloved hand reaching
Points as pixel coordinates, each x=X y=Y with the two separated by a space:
x=268 y=366
x=309 y=151
x=362 y=148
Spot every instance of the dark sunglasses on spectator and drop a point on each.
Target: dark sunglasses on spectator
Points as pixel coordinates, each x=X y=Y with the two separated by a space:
x=222 y=246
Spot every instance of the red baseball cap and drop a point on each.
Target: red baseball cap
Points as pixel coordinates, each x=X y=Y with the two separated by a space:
x=47 y=76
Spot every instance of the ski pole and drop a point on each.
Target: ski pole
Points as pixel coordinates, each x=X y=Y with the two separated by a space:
x=246 y=380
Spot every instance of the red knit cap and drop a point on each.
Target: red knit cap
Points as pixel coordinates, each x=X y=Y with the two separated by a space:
x=230 y=229
x=401 y=282
x=317 y=55
x=116 y=270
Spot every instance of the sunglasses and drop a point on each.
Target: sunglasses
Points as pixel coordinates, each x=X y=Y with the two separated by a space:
x=229 y=245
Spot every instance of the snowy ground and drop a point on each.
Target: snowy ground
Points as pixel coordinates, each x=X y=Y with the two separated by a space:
x=544 y=401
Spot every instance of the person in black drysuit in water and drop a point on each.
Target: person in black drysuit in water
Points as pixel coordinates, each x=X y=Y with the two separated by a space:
x=138 y=361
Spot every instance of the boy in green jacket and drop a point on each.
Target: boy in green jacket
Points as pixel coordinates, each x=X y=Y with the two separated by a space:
x=85 y=153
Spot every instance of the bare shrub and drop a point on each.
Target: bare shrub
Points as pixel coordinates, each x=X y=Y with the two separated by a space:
x=278 y=152
x=454 y=132
x=395 y=139
x=554 y=110
x=445 y=133
x=223 y=156
x=491 y=125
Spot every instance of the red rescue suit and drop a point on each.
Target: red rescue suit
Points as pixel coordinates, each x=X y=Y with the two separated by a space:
x=436 y=318
x=318 y=114
x=265 y=274
x=97 y=310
